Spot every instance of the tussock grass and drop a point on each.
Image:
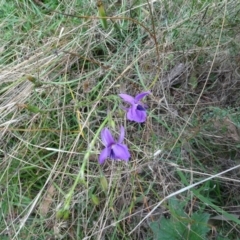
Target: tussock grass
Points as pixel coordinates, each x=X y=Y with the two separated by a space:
x=61 y=71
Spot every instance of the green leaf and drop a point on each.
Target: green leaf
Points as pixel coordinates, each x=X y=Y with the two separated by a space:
x=180 y=225
x=63 y=214
x=102 y=13
x=104 y=183
x=193 y=81
x=33 y=109
x=200 y=227
x=208 y=201
x=95 y=199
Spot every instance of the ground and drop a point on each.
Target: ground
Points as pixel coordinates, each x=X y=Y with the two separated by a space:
x=63 y=65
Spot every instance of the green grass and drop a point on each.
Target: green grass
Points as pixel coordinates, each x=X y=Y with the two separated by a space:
x=61 y=70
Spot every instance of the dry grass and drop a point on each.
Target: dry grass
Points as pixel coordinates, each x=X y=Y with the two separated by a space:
x=60 y=77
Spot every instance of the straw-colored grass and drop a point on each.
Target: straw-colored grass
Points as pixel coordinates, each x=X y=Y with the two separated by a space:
x=61 y=70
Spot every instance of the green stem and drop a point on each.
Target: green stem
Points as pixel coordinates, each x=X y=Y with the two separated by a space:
x=80 y=177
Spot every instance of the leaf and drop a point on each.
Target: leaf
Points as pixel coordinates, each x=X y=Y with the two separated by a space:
x=224 y=218
x=101 y=12
x=180 y=225
x=104 y=183
x=200 y=227
x=31 y=79
x=193 y=81
x=227 y=215
x=209 y=202
x=63 y=214
x=95 y=199
x=33 y=109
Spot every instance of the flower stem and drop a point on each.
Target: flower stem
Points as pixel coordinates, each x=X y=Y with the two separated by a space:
x=80 y=177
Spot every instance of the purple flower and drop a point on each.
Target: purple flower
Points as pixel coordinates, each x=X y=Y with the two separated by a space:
x=113 y=149
x=137 y=111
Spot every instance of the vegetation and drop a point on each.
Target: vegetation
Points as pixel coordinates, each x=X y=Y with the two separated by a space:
x=63 y=65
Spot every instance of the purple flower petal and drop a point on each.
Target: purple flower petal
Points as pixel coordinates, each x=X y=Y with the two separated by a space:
x=120 y=151
x=107 y=137
x=136 y=115
x=113 y=149
x=121 y=137
x=141 y=95
x=137 y=111
x=127 y=98
x=104 y=155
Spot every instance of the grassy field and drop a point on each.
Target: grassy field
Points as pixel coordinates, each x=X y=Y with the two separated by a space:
x=63 y=65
